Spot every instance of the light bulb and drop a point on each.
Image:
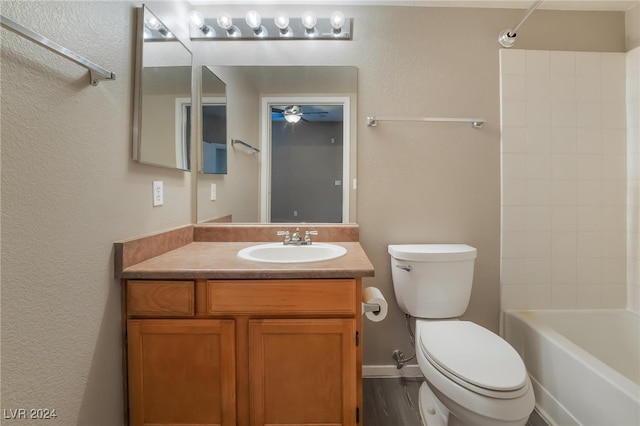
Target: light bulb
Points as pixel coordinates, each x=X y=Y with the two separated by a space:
x=225 y=21
x=253 y=20
x=154 y=23
x=337 y=21
x=281 y=20
x=197 y=19
x=309 y=21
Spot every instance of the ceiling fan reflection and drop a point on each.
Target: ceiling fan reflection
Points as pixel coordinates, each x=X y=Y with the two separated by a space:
x=293 y=113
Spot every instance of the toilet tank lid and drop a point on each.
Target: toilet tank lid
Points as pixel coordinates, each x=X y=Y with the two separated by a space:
x=432 y=252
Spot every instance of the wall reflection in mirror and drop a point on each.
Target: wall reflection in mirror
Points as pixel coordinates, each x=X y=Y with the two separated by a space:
x=214 y=124
x=161 y=125
x=257 y=97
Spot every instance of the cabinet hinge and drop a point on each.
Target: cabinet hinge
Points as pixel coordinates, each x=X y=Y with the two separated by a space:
x=357 y=414
x=357 y=338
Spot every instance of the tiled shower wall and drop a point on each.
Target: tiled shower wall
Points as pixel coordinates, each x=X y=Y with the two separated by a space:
x=564 y=180
x=633 y=179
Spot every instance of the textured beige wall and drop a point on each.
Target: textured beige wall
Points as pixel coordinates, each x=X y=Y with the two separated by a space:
x=69 y=190
x=69 y=187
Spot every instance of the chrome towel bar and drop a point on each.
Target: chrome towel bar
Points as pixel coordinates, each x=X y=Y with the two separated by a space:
x=96 y=72
x=476 y=123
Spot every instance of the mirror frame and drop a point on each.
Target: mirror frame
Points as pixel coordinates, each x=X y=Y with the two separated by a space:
x=138 y=98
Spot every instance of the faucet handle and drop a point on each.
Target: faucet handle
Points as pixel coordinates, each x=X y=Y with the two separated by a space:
x=307 y=237
x=286 y=234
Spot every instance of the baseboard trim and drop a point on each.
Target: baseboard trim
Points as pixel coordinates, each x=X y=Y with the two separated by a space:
x=411 y=370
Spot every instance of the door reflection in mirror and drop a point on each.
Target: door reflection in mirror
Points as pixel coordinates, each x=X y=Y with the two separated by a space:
x=213 y=152
x=214 y=137
x=307 y=163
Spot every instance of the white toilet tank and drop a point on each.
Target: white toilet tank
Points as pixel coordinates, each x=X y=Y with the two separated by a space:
x=432 y=280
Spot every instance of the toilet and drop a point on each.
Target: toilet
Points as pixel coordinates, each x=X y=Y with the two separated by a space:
x=473 y=376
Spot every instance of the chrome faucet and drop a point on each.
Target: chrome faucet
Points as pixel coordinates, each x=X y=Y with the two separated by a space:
x=296 y=238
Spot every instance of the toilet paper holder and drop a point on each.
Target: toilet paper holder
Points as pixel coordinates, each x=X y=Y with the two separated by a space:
x=370 y=307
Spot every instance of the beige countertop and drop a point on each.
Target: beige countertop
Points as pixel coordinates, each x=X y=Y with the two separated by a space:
x=219 y=260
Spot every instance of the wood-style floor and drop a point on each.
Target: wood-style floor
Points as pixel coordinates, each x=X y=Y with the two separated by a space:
x=394 y=402
x=391 y=402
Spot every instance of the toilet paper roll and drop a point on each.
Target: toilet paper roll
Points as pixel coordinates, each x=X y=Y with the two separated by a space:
x=374 y=296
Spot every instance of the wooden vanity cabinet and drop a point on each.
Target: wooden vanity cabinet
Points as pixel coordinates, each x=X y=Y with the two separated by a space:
x=244 y=352
x=181 y=370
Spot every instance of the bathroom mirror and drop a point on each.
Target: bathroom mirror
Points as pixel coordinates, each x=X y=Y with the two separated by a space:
x=162 y=89
x=256 y=96
x=213 y=149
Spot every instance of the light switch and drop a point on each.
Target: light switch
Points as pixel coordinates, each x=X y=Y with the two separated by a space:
x=214 y=192
x=158 y=193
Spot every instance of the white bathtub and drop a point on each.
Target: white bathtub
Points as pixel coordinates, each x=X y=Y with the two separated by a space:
x=584 y=364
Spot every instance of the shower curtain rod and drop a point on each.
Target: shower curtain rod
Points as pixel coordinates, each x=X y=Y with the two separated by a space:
x=508 y=37
x=476 y=123
x=95 y=72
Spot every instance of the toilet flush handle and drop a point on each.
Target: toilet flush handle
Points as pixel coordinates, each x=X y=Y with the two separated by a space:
x=404 y=267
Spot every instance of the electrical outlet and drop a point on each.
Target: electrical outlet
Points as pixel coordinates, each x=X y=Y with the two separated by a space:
x=214 y=192
x=158 y=193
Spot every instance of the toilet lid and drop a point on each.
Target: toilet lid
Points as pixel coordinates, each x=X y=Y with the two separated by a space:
x=473 y=354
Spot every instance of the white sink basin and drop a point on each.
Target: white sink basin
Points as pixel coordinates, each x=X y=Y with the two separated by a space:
x=280 y=253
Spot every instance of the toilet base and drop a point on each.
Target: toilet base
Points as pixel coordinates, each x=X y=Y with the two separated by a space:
x=432 y=412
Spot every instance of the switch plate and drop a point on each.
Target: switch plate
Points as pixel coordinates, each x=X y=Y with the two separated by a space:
x=214 y=192
x=158 y=193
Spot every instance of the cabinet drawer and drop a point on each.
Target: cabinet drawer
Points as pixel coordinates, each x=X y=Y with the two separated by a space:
x=296 y=297
x=161 y=298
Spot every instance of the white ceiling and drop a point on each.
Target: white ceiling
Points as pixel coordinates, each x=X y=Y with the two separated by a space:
x=610 y=5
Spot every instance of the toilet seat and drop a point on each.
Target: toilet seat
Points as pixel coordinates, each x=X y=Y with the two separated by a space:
x=474 y=357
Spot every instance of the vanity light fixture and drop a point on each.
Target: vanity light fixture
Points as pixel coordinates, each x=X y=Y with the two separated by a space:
x=225 y=21
x=198 y=20
x=280 y=27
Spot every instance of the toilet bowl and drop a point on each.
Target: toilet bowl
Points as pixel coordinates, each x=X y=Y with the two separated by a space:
x=473 y=376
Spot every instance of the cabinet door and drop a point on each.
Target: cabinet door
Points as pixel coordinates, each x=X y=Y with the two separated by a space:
x=181 y=372
x=302 y=372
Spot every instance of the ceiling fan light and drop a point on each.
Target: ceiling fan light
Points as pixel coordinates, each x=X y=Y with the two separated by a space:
x=292 y=118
